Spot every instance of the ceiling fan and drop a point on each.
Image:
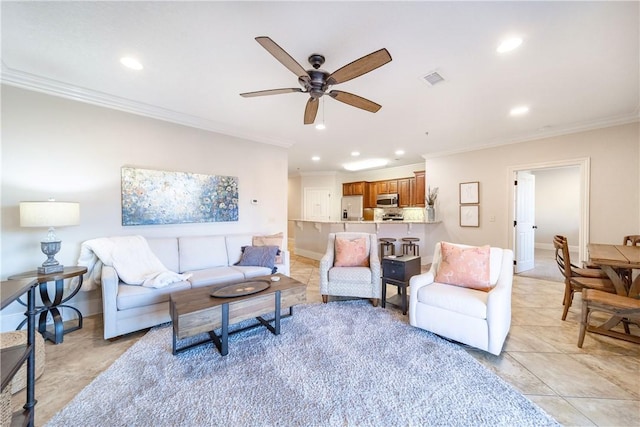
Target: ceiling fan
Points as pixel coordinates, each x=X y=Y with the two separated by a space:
x=316 y=81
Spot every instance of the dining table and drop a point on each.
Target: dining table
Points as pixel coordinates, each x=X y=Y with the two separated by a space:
x=611 y=258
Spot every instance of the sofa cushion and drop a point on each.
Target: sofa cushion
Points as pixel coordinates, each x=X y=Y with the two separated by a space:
x=259 y=256
x=215 y=276
x=200 y=252
x=166 y=249
x=250 y=272
x=272 y=240
x=132 y=296
x=351 y=252
x=350 y=274
x=469 y=302
x=235 y=243
x=465 y=266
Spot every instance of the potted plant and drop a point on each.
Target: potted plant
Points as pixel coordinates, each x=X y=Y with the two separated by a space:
x=432 y=195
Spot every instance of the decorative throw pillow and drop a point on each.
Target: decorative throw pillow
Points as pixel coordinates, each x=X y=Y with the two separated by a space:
x=351 y=253
x=259 y=256
x=273 y=240
x=466 y=267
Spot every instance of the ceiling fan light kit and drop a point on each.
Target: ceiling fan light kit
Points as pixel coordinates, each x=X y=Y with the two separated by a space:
x=316 y=81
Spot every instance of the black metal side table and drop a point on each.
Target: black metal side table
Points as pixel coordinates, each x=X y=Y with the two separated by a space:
x=397 y=271
x=54 y=305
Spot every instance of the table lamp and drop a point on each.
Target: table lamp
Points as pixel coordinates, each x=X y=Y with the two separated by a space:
x=49 y=214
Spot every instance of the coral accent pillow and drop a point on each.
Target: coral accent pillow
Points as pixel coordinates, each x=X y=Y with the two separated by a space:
x=273 y=240
x=351 y=253
x=466 y=267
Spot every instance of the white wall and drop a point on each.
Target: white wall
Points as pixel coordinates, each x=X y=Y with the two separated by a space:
x=557 y=205
x=614 y=154
x=54 y=147
x=615 y=183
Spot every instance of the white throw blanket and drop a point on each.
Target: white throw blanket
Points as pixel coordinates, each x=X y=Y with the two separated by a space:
x=132 y=259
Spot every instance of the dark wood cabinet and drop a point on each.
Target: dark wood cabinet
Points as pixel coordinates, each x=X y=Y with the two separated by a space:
x=370 y=195
x=353 y=188
x=404 y=193
x=418 y=194
x=398 y=271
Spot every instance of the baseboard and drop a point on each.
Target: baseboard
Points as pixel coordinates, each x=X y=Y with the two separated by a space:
x=308 y=254
x=550 y=247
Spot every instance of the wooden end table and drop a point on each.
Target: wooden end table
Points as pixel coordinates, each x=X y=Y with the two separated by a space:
x=397 y=271
x=53 y=305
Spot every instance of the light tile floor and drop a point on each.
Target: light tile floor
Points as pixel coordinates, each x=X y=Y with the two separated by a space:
x=596 y=385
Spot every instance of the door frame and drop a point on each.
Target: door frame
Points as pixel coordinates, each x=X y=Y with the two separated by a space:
x=584 y=164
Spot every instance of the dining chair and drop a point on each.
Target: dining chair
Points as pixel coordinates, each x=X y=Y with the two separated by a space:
x=622 y=309
x=576 y=278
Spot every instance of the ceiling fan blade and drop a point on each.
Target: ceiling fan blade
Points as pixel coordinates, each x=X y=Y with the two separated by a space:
x=281 y=55
x=360 y=66
x=310 y=111
x=270 y=92
x=355 y=100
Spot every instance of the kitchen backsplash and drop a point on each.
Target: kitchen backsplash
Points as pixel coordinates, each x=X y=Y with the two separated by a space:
x=409 y=214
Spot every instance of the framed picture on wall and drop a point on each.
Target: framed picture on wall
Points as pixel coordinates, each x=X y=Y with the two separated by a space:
x=469 y=193
x=469 y=216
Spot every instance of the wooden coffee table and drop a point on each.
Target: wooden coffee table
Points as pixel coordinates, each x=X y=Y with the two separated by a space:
x=195 y=311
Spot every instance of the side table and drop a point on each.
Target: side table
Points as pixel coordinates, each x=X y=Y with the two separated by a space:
x=53 y=305
x=397 y=271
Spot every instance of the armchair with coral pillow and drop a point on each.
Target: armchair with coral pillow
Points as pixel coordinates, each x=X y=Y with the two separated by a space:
x=350 y=267
x=465 y=296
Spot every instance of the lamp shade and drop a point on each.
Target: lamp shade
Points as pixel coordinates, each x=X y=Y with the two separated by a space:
x=49 y=214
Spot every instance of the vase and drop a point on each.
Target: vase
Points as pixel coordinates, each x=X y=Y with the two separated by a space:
x=431 y=213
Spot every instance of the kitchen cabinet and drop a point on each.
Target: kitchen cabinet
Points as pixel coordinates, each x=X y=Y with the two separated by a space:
x=418 y=194
x=389 y=186
x=353 y=188
x=370 y=195
x=404 y=193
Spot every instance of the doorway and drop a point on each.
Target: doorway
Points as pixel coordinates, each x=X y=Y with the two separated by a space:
x=524 y=243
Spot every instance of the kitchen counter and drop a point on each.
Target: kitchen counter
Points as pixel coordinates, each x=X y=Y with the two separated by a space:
x=311 y=236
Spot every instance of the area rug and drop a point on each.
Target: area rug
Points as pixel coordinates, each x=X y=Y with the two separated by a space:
x=338 y=364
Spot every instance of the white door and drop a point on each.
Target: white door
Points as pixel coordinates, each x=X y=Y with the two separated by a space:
x=317 y=204
x=525 y=231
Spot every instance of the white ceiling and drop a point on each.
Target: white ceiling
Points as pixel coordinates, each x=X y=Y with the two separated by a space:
x=577 y=69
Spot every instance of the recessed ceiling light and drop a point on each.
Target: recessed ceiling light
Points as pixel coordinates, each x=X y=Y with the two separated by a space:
x=399 y=152
x=355 y=153
x=365 y=164
x=509 y=44
x=321 y=126
x=132 y=63
x=316 y=158
x=518 y=111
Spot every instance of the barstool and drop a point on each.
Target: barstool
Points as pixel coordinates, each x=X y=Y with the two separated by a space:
x=387 y=246
x=409 y=245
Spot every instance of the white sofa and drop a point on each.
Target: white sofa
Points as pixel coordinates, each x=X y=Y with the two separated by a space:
x=473 y=317
x=210 y=261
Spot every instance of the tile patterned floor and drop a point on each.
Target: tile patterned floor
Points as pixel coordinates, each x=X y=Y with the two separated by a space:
x=598 y=385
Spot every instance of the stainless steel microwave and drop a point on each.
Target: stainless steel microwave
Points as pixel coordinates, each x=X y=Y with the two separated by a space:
x=387 y=201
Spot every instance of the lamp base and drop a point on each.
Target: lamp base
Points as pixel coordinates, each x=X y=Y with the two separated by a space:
x=51 y=269
x=51 y=265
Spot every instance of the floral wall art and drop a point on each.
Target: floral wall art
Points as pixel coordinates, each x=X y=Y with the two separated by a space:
x=160 y=197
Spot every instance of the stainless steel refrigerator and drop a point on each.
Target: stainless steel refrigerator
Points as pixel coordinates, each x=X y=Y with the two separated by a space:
x=352 y=208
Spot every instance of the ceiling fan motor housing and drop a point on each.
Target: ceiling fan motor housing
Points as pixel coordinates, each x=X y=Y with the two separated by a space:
x=317 y=84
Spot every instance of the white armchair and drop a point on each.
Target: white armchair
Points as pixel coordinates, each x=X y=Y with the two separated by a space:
x=362 y=282
x=473 y=317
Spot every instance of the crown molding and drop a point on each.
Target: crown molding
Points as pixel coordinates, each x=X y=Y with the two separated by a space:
x=48 y=86
x=632 y=117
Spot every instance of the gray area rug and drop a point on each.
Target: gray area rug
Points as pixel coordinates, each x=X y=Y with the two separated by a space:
x=338 y=364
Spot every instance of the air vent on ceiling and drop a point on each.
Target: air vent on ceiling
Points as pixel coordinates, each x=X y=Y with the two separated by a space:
x=433 y=78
